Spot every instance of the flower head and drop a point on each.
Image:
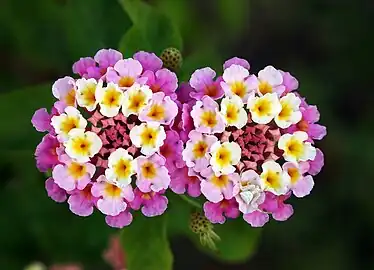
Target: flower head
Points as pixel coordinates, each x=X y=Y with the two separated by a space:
x=224 y=157
x=125 y=73
x=148 y=136
x=300 y=184
x=216 y=188
x=196 y=153
x=135 y=99
x=110 y=99
x=296 y=148
x=86 y=93
x=151 y=203
x=73 y=175
x=206 y=116
x=112 y=197
x=290 y=113
x=203 y=84
x=273 y=178
x=81 y=145
x=233 y=112
x=249 y=192
x=152 y=174
x=121 y=166
x=270 y=81
x=149 y=61
x=64 y=90
x=162 y=80
x=237 y=82
x=46 y=153
x=67 y=121
x=263 y=109
x=185 y=180
x=217 y=212
x=160 y=109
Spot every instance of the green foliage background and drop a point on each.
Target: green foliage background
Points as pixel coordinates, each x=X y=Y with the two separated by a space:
x=326 y=45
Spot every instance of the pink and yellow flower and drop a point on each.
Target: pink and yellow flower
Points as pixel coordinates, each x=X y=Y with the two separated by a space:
x=263 y=109
x=296 y=148
x=203 y=84
x=64 y=89
x=125 y=73
x=111 y=197
x=300 y=184
x=238 y=82
x=206 y=116
x=86 y=93
x=224 y=157
x=185 y=180
x=67 y=121
x=152 y=174
x=216 y=188
x=82 y=202
x=150 y=203
x=162 y=80
x=148 y=136
x=217 y=212
x=196 y=153
x=270 y=81
x=135 y=99
x=274 y=179
x=160 y=109
x=110 y=99
x=73 y=175
x=121 y=167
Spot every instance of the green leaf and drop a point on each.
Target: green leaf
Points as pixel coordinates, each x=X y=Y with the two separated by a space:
x=152 y=29
x=234 y=16
x=238 y=241
x=146 y=245
x=17 y=108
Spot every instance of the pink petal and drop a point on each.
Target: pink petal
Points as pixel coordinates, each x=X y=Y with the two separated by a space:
x=121 y=220
x=256 y=218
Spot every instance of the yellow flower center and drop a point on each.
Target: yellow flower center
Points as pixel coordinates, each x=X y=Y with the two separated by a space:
x=262 y=107
x=69 y=123
x=220 y=181
x=81 y=146
x=238 y=88
x=70 y=98
x=157 y=112
x=286 y=111
x=232 y=113
x=112 y=98
x=88 y=94
x=208 y=119
x=149 y=170
x=265 y=87
x=112 y=190
x=123 y=168
x=294 y=174
x=137 y=101
x=294 y=148
x=199 y=149
x=126 y=81
x=272 y=179
x=223 y=157
x=149 y=136
x=76 y=170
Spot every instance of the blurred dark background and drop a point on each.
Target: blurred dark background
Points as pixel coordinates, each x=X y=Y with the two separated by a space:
x=328 y=45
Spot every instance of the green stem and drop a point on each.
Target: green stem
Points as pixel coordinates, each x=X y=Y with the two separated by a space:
x=191 y=201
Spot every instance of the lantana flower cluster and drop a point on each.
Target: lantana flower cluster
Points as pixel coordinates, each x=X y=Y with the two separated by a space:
x=123 y=133
x=110 y=143
x=249 y=143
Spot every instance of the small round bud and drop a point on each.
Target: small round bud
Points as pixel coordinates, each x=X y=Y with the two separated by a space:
x=172 y=58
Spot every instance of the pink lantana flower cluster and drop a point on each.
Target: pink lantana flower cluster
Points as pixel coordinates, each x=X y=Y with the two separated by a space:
x=249 y=143
x=110 y=145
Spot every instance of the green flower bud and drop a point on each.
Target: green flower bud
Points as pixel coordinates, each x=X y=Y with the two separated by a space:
x=200 y=225
x=172 y=59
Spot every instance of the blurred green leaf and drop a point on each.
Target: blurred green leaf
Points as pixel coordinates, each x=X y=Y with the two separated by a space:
x=146 y=245
x=238 y=241
x=234 y=15
x=17 y=108
x=152 y=29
